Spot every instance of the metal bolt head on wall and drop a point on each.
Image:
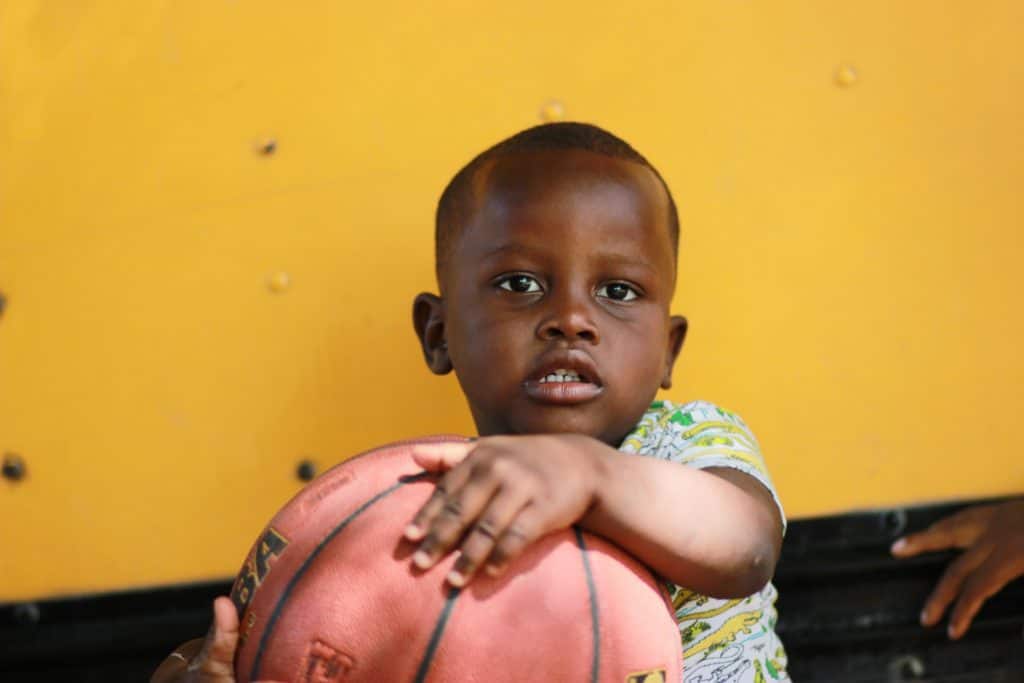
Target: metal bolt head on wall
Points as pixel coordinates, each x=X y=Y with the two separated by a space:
x=279 y=282
x=306 y=471
x=13 y=468
x=551 y=111
x=265 y=146
x=846 y=76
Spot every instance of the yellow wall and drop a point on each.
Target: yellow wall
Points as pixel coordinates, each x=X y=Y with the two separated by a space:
x=851 y=261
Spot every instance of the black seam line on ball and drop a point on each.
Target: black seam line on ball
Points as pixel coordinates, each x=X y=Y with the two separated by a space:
x=435 y=637
x=283 y=598
x=595 y=617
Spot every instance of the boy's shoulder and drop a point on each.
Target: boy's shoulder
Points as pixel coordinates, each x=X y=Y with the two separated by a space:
x=668 y=429
x=690 y=413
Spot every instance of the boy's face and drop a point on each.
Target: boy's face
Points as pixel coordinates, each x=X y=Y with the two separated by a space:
x=555 y=301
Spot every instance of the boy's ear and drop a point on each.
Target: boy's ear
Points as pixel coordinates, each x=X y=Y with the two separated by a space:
x=428 y=319
x=677 y=327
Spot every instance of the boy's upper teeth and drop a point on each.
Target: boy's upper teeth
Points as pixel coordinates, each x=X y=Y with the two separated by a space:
x=561 y=375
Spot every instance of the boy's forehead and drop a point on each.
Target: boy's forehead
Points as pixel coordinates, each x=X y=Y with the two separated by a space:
x=529 y=174
x=556 y=186
x=524 y=196
x=550 y=184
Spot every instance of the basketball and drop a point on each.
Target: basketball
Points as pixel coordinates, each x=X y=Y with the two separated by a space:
x=329 y=594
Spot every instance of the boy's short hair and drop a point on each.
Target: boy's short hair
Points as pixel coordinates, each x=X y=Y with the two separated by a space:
x=458 y=200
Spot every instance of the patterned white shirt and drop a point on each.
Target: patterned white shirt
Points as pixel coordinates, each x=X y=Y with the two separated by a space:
x=724 y=641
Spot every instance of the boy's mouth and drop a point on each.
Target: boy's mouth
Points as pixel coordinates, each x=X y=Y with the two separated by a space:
x=561 y=375
x=567 y=378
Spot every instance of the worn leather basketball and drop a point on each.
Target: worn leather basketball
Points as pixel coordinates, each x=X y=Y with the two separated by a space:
x=328 y=594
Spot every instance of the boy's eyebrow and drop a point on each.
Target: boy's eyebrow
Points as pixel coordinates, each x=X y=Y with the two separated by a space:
x=607 y=257
x=507 y=247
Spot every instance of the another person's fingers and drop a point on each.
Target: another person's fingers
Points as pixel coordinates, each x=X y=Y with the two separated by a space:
x=951 y=583
x=173 y=667
x=998 y=569
x=440 y=457
x=959 y=530
x=215 y=662
x=483 y=537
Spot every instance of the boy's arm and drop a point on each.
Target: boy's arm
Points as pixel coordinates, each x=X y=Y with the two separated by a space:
x=715 y=531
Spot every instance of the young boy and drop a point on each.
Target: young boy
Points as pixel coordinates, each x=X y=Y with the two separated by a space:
x=556 y=263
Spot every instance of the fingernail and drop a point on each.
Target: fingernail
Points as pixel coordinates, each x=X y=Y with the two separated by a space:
x=495 y=569
x=952 y=632
x=456 y=579
x=413 y=532
x=924 y=617
x=898 y=546
x=421 y=559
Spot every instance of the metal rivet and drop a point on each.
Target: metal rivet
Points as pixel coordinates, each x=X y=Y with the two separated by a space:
x=268 y=147
x=13 y=467
x=846 y=76
x=905 y=668
x=3 y=303
x=26 y=613
x=306 y=471
x=552 y=110
x=279 y=282
x=895 y=522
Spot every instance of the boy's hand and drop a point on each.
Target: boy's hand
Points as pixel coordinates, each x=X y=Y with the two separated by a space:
x=993 y=536
x=501 y=493
x=206 y=661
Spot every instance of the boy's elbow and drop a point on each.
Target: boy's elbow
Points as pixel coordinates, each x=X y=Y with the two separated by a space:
x=752 y=570
x=745 y=580
x=761 y=554
x=761 y=567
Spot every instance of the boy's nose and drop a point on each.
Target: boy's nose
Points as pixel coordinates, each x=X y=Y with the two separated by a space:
x=569 y=319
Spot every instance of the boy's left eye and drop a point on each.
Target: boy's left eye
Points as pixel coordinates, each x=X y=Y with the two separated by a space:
x=617 y=291
x=521 y=284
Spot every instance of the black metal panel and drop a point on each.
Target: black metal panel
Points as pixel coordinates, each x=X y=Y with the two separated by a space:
x=848 y=614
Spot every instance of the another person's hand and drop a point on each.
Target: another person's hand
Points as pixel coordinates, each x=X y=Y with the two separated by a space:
x=993 y=539
x=209 y=660
x=500 y=494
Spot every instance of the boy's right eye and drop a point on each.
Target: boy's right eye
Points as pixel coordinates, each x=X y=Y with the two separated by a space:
x=521 y=284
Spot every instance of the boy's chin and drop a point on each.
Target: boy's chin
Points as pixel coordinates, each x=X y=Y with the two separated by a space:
x=567 y=421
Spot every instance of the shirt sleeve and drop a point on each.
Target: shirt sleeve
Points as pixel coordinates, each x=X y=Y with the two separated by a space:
x=700 y=434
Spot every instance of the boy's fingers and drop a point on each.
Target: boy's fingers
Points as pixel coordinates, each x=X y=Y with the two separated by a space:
x=440 y=457
x=951 y=583
x=523 y=531
x=449 y=485
x=457 y=512
x=484 y=535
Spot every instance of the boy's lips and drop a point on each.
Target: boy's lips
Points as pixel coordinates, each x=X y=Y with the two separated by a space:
x=564 y=377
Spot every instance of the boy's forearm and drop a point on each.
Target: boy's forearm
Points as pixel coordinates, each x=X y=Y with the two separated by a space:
x=713 y=532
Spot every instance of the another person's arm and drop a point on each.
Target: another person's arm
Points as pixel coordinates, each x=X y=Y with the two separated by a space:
x=992 y=537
